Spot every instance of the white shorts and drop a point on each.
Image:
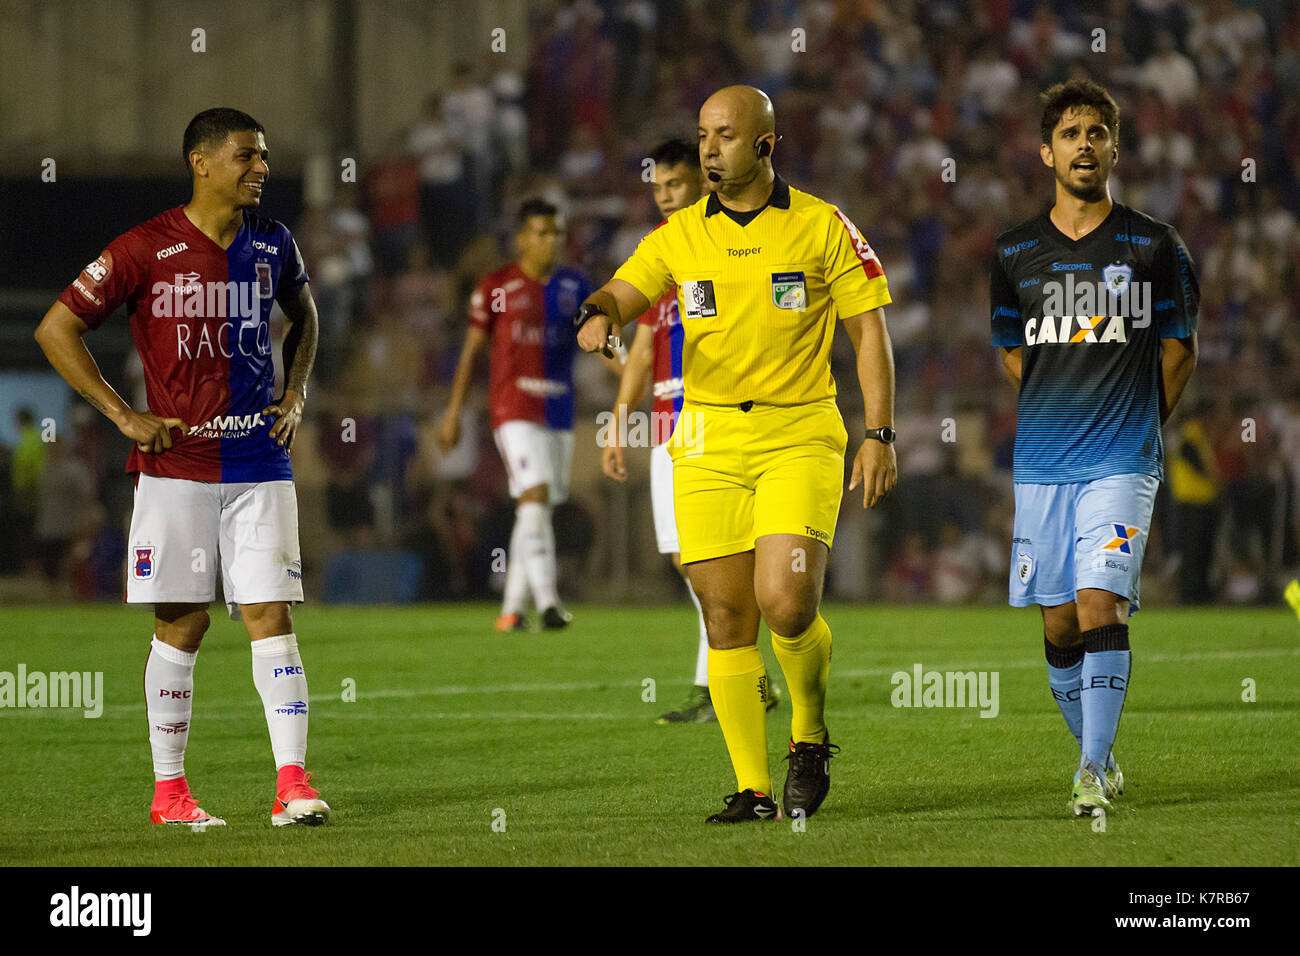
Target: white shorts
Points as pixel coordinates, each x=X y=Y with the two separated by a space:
x=181 y=530
x=661 y=497
x=536 y=455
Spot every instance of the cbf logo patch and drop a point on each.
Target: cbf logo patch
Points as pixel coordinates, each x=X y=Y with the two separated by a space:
x=1117 y=276
x=1123 y=535
x=698 y=298
x=789 y=291
x=142 y=567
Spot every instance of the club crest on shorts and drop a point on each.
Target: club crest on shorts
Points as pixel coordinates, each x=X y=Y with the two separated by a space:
x=1117 y=276
x=1024 y=567
x=142 y=565
x=789 y=291
x=697 y=297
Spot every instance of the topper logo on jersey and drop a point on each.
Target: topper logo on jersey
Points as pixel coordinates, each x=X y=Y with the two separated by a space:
x=185 y=297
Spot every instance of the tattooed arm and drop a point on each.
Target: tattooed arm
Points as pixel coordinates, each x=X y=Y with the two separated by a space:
x=299 y=357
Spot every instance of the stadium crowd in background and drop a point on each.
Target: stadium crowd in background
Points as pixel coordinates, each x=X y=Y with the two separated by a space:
x=1210 y=94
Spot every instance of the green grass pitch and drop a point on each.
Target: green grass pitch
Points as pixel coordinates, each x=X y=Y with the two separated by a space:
x=455 y=728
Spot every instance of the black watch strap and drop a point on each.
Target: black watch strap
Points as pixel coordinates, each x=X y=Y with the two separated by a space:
x=585 y=313
x=884 y=434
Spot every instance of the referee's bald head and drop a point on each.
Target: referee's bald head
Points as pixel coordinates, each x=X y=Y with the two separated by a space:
x=745 y=108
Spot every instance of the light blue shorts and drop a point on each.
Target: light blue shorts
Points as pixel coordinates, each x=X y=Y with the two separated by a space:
x=1088 y=534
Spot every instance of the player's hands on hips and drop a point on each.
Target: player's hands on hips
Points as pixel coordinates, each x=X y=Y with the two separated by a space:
x=614 y=463
x=288 y=416
x=150 y=433
x=876 y=467
x=449 y=432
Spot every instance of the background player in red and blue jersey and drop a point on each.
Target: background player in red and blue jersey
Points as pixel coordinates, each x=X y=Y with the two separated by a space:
x=524 y=313
x=1094 y=306
x=655 y=358
x=211 y=454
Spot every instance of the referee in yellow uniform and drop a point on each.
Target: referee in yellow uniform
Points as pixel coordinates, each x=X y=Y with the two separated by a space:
x=762 y=272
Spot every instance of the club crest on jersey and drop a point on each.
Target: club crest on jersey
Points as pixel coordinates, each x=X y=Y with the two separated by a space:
x=789 y=291
x=142 y=566
x=1117 y=276
x=697 y=296
x=263 y=280
x=1123 y=535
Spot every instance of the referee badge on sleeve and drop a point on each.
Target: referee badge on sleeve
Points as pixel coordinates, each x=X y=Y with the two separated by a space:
x=789 y=291
x=697 y=297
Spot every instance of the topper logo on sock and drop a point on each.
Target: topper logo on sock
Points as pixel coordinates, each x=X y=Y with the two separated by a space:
x=142 y=568
x=1123 y=535
x=292 y=707
x=286 y=671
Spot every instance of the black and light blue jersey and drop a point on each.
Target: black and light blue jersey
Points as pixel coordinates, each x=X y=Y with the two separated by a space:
x=1088 y=315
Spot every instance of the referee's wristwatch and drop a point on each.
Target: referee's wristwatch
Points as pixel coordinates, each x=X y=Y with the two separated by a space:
x=885 y=435
x=584 y=314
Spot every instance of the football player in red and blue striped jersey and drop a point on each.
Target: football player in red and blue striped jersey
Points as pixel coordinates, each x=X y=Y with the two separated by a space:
x=211 y=453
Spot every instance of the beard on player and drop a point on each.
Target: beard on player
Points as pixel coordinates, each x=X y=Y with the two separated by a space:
x=1086 y=176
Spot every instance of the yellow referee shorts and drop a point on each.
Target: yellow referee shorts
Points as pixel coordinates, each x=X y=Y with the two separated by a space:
x=739 y=475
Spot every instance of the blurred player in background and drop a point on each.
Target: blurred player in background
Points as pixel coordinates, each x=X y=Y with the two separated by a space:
x=211 y=455
x=525 y=311
x=656 y=356
x=1101 y=359
x=758 y=451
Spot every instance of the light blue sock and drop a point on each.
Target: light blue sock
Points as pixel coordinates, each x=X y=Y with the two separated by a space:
x=1106 y=666
x=1064 y=676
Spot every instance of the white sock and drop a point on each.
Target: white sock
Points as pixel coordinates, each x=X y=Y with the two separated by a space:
x=538 y=552
x=515 y=598
x=279 y=678
x=169 y=701
x=702 y=658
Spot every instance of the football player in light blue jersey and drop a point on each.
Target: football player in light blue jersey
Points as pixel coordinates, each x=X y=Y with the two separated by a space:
x=1094 y=306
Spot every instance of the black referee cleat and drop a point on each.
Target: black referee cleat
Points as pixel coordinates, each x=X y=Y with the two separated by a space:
x=555 y=618
x=746 y=806
x=809 y=778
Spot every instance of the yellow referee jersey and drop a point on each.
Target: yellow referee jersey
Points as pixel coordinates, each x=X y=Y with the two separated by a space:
x=758 y=301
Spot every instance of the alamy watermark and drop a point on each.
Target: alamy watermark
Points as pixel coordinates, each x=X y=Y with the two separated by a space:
x=56 y=689
x=922 y=688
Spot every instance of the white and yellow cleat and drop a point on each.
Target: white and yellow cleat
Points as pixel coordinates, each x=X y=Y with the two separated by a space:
x=1089 y=795
x=1114 y=780
x=297 y=802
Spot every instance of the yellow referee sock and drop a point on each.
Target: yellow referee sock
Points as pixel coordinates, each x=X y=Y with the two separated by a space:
x=738 y=687
x=806 y=661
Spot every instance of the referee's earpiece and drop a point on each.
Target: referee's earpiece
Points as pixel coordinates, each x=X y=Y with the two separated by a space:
x=764 y=149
